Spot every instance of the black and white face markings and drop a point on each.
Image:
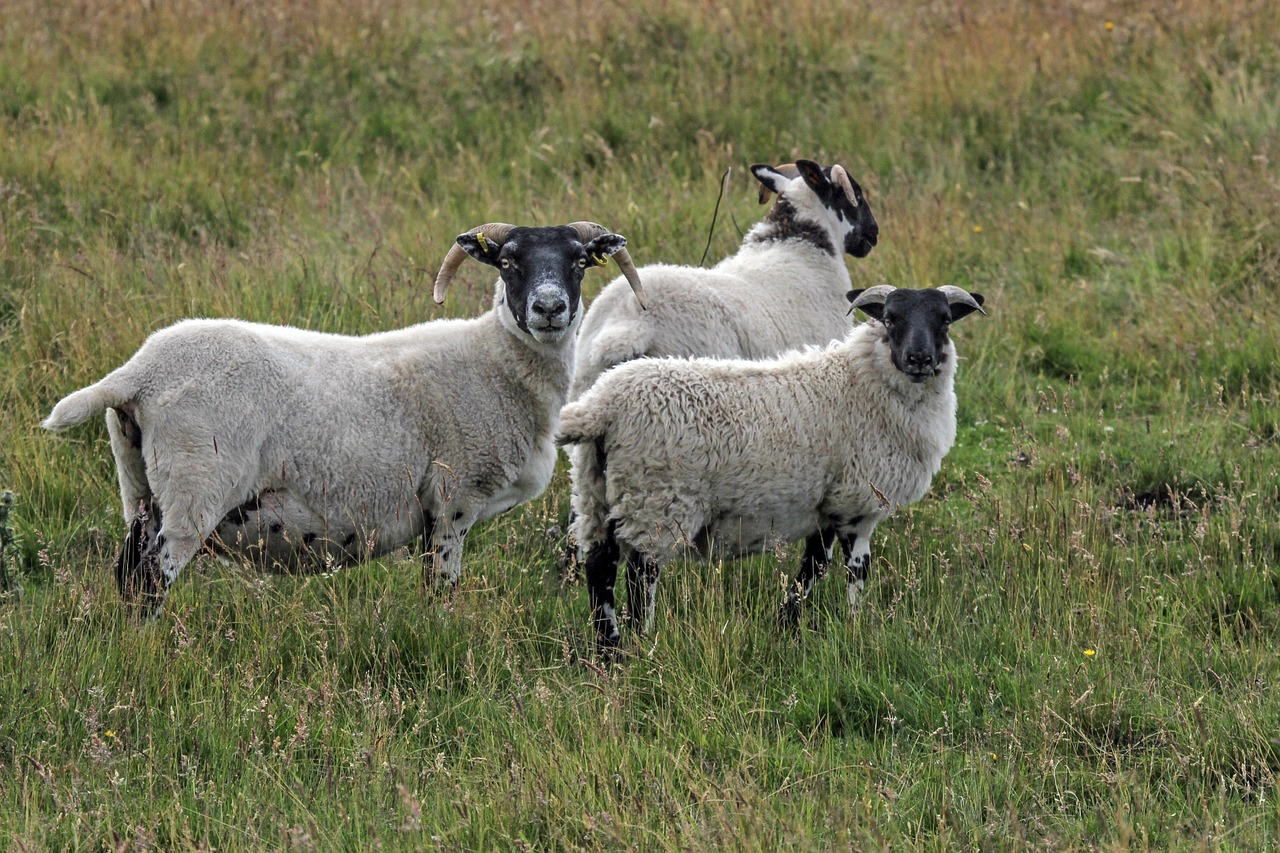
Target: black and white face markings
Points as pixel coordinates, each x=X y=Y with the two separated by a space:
x=542 y=270
x=915 y=324
x=849 y=205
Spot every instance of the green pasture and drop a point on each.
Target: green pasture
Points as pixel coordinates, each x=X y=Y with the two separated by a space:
x=1070 y=643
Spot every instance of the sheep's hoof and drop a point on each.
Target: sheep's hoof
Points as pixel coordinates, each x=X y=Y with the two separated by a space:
x=608 y=648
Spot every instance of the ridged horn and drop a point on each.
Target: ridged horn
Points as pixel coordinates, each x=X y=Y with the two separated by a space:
x=875 y=295
x=959 y=294
x=791 y=170
x=842 y=178
x=495 y=231
x=588 y=231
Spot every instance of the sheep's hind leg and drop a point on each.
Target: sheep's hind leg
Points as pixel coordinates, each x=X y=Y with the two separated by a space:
x=158 y=564
x=602 y=574
x=813 y=566
x=132 y=580
x=642 y=591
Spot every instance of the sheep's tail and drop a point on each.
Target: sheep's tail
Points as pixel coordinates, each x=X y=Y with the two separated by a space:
x=583 y=422
x=79 y=406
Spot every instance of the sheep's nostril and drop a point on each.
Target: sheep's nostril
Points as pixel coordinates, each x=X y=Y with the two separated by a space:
x=549 y=307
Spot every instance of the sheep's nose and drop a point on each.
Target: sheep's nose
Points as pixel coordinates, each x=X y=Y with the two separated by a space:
x=919 y=359
x=549 y=306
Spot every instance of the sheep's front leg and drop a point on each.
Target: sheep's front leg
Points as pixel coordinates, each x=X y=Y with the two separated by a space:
x=602 y=574
x=855 y=539
x=642 y=591
x=813 y=566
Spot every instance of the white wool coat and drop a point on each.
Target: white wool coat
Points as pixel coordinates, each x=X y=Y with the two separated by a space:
x=738 y=456
x=347 y=444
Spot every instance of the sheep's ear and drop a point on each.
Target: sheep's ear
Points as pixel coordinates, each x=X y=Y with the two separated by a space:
x=870 y=300
x=873 y=309
x=481 y=248
x=771 y=180
x=601 y=247
x=962 y=302
x=959 y=309
x=815 y=178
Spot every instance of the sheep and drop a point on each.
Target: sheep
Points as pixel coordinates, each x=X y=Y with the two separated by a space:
x=303 y=451
x=733 y=457
x=785 y=288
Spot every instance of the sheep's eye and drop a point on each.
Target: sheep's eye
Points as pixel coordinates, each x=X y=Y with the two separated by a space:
x=506 y=264
x=887 y=323
x=582 y=263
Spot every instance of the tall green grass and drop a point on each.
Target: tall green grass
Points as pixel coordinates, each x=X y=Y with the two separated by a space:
x=1069 y=643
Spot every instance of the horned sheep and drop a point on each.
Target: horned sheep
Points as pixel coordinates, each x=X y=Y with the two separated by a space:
x=783 y=289
x=302 y=450
x=732 y=457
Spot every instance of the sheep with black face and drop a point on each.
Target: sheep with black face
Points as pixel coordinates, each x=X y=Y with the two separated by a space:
x=783 y=289
x=301 y=450
x=733 y=457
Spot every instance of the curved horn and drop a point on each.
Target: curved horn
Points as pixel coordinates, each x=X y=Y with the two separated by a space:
x=791 y=170
x=588 y=231
x=959 y=294
x=495 y=231
x=842 y=178
x=875 y=295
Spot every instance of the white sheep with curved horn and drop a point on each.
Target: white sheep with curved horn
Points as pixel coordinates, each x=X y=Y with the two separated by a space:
x=301 y=450
x=733 y=457
x=783 y=289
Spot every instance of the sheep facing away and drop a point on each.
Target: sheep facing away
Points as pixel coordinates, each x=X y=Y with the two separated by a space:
x=300 y=450
x=732 y=457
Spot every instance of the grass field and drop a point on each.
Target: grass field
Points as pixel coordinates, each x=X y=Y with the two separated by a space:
x=1070 y=643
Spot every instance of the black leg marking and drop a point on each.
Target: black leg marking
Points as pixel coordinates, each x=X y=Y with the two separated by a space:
x=857 y=562
x=137 y=568
x=813 y=566
x=131 y=557
x=602 y=574
x=642 y=582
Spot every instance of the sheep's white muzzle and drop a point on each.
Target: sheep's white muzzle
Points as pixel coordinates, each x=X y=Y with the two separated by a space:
x=548 y=313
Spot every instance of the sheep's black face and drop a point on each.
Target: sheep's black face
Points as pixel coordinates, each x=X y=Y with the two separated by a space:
x=916 y=324
x=542 y=271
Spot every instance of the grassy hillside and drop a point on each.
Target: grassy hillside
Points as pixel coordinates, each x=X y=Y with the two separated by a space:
x=1071 y=642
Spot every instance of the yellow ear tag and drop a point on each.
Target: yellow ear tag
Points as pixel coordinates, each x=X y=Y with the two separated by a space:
x=484 y=245
x=601 y=260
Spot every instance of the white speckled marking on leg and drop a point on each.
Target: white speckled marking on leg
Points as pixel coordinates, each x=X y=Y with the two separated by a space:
x=856 y=571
